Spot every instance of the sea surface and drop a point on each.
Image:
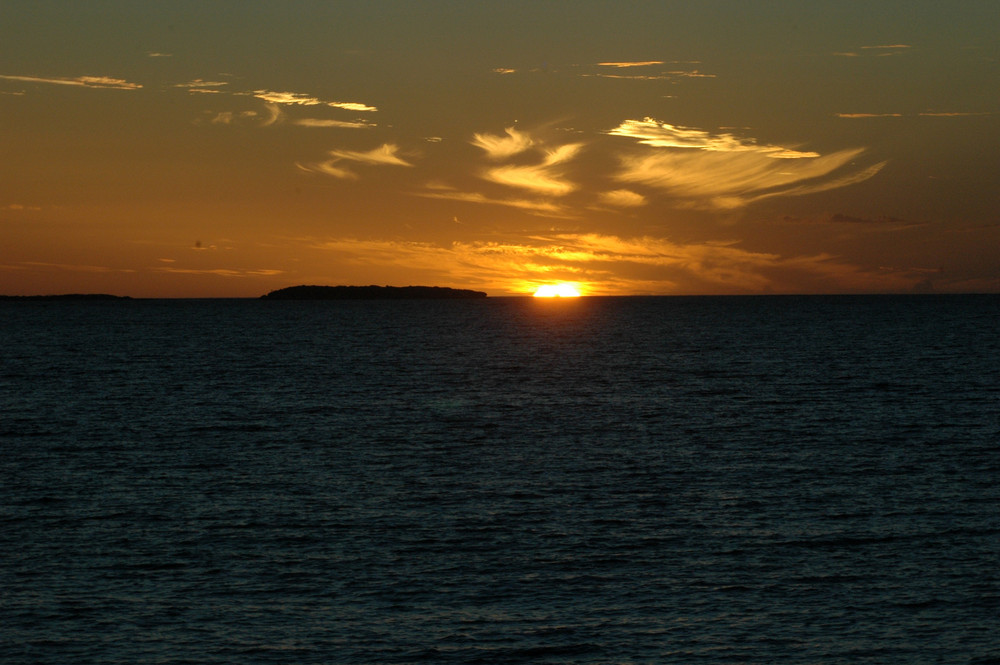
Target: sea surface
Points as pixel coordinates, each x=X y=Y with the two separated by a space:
x=511 y=480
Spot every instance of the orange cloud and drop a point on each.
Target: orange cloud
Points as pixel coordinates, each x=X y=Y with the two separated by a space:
x=641 y=63
x=220 y=272
x=502 y=147
x=869 y=115
x=615 y=265
x=664 y=135
x=623 y=198
x=81 y=81
x=326 y=123
x=546 y=208
x=722 y=171
x=545 y=178
x=384 y=155
x=300 y=99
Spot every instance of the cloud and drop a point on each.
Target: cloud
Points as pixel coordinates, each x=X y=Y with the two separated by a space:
x=530 y=166
x=233 y=117
x=325 y=123
x=664 y=135
x=868 y=115
x=641 y=63
x=202 y=86
x=721 y=171
x=546 y=208
x=156 y=54
x=352 y=106
x=615 y=264
x=623 y=198
x=328 y=168
x=384 y=155
x=656 y=75
x=882 y=50
x=300 y=99
x=72 y=267
x=502 y=147
x=732 y=180
x=220 y=272
x=633 y=77
x=276 y=116
x=665 y=76
x=545 y=178
x=80 y=81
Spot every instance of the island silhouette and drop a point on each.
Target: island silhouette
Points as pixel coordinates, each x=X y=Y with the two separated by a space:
x=371 y=293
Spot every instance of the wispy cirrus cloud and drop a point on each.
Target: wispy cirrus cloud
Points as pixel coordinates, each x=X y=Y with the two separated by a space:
x=300 y=99
x=664 y=135
x=880 y=50
x=234 y=117
x=202 y=86
x=868 y=115
x=714 y=180
x=501 y=147
x=327 y=123
x=643 y=70
x=535 y=206
x=219 y=272
x=638 y=70
x=722 y=171
x=885 y=47
x=385 y=155
x=640 y=63
x=107 y=82
x=274 y=115
x=622 y=198
x=75 y=267
x=544 y=178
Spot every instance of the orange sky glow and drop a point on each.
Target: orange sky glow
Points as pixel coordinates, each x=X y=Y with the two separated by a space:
x=210 y=149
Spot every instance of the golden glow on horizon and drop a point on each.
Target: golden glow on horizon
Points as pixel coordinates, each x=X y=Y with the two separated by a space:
x=563 y=290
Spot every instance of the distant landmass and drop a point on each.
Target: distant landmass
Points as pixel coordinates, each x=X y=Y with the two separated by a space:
x=69 y=296
x=371 y=293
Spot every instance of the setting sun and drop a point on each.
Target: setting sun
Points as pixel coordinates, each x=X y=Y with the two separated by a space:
x=557 y=291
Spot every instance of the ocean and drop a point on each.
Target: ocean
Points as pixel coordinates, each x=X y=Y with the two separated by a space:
x=775 y=479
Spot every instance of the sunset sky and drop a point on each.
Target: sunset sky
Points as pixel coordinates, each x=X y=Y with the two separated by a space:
x=215 y=149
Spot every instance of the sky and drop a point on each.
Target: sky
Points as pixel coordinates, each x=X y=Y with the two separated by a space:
x=226 y=149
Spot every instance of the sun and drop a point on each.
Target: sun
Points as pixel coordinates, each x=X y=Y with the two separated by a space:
x=563 y=290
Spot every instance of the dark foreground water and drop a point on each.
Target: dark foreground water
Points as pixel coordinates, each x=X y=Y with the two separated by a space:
x=634 y=480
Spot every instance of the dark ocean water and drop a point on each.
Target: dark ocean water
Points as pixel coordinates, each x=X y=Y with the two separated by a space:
x=602 y=480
